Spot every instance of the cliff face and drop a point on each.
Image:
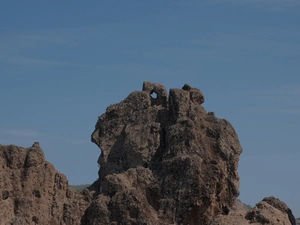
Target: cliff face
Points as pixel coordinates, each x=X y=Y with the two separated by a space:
x=33 y=192
x=165 y=160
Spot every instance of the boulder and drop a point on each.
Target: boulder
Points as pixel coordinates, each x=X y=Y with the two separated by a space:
x=270 y=211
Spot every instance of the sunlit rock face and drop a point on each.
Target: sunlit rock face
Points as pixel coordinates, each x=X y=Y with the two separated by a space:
x=270 y=211
x=34 y=192
x=164 y=160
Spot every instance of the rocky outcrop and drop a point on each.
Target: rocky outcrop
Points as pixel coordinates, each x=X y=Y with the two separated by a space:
x=33 y=192
x=270 y=211
x=164 y=160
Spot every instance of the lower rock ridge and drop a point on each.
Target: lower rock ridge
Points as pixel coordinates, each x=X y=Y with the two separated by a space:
x=33 y=192
x=164 y=160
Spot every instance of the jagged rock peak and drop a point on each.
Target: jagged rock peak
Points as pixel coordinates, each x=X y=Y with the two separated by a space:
x=164 y=160
x=162 y=98
x=33 y=191
x=36 y=144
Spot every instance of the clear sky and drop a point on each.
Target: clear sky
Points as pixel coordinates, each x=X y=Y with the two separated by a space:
x=63 y=62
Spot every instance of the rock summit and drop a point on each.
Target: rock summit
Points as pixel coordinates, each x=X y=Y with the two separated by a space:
x=165 y=160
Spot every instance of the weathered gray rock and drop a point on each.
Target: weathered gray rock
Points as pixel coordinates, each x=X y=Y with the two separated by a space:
x=33 y=192
x=270 y=211
x=276 y=203
x=195 y=94
x=164 y=160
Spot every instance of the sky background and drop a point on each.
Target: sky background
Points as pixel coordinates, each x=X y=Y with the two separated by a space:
x=63 y=62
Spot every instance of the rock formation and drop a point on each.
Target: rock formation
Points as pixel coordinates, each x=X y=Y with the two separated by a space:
x=270 y=211
x=33 y=192
x=164 y=160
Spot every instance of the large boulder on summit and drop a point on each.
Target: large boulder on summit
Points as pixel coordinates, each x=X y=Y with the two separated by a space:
x=33 y=192
x=164 y=160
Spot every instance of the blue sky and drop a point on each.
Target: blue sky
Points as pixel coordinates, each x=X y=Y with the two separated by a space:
x=62 y=63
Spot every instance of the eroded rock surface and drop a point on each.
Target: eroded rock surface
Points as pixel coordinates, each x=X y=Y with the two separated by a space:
x=33 y=192
x=269 y=211
x=164 y=160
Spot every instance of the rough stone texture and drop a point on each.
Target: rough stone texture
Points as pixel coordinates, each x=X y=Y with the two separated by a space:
x=164 y=160
x=195 y=94
x=270 y=211
x=33 y=192
x=276 y=203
